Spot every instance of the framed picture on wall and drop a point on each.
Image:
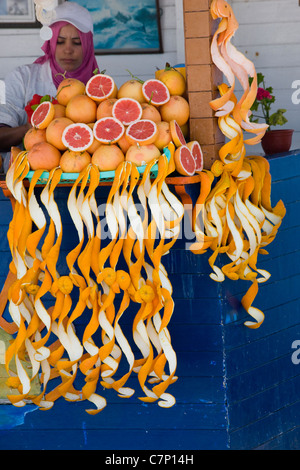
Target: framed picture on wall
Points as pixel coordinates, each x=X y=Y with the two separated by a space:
x=18 y=14
x=125 y=26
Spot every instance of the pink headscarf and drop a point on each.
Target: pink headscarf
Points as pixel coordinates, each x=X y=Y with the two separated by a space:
x=89 y=63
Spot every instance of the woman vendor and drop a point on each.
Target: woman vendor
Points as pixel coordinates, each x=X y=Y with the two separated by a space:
x=70 y=52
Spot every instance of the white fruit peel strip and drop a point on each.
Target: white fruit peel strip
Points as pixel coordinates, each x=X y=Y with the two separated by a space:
x=233 y=215
x=48 y=336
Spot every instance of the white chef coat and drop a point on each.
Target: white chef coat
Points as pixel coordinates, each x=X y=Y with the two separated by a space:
x=20 y=86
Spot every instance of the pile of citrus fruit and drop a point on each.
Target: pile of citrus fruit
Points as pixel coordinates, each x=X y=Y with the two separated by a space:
x=100 y=124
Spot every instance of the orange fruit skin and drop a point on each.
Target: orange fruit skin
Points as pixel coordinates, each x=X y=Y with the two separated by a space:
x=174 y=81
x=43 y=156
x=55 y=130
x=141 y=155
x=150 y=112
x=177 y=108
x=95 y=144
x=104 y=108
x=179 y=69
x=93 y=147
x=34 y=136
x=59 y=110
x=131 y=89
x=164 y=135
x=69 y=88
x=124 y=144
x=108 y=157
x=81 y=108
x=114 y=93
x=74 y=162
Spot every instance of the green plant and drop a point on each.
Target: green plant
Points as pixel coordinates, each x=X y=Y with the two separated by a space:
x=264 y=100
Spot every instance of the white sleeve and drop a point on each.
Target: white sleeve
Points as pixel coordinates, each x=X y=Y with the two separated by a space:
x=12 y=112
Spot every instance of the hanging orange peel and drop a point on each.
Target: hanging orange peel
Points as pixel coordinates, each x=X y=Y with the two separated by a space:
x=47 y=337
x=233 y=214
x=233 y=64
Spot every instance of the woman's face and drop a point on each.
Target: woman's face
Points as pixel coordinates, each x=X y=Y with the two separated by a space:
x=68 y=53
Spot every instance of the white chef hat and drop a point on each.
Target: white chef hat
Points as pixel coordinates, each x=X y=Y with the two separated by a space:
x=75 y=14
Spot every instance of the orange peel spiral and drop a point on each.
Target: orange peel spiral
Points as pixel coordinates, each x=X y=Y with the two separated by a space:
x=233 y=214
x=48 y=335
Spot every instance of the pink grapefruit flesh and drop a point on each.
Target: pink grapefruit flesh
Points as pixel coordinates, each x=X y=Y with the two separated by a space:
x=143 y=132
x=43 y=115
x=77 y=137
x=176 y=133
x=155 y=92
x=197 y=153
x=99 y=87
x=108 y=130
x=184 y=161
x=127 y=110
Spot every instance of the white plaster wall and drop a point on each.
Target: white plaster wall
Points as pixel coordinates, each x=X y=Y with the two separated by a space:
x=269 y=35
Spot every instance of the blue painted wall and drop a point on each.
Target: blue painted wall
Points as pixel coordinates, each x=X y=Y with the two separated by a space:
x=236 y=389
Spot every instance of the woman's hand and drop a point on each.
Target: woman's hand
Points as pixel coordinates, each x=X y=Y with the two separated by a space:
x=12 y=136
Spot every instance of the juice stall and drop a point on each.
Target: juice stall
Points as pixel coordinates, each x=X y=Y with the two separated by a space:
x=184 y=341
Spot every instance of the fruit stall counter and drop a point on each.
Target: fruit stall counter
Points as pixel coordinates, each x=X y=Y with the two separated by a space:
x=237 y=388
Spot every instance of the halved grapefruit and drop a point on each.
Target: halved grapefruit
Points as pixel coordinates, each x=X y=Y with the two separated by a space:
x=127 y=110
x=143 y=132
x=43 y=115
x=184 y=161
x=176 y=133
x=77 y=137
x=155 y=92
x=108 y=130
x=197 y=153
x=100 y=86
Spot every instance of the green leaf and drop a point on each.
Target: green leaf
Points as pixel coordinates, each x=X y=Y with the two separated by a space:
x=278 y=119
x=255 y=105
x=45 y=98
x=260 y=78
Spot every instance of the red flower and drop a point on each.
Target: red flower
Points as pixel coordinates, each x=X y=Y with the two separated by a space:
x=262 y=93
